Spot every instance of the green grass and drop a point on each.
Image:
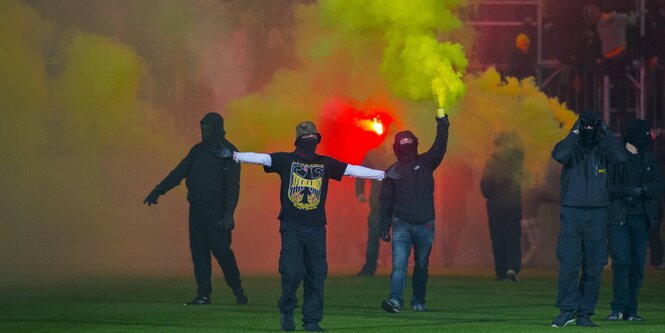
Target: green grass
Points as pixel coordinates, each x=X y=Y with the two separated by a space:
x=461 y=301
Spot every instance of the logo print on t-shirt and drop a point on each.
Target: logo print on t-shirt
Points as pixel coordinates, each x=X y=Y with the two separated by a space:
x=305 y=185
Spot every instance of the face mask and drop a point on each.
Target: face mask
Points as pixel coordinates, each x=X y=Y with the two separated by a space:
x=207 y=134
x=406 y=151
x=588 y=136
x=640 y=143
x=306 y=148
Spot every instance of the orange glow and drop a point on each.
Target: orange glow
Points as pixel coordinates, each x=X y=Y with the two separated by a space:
x=373 y=125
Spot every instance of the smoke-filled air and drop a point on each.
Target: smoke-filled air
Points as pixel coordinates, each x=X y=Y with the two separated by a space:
x=101 y=100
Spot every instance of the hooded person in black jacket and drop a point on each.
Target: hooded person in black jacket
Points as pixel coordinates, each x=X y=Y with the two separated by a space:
x=213 y=187
x=635 y=189
x=501 y=185
x=585 y=154
x=408 y=205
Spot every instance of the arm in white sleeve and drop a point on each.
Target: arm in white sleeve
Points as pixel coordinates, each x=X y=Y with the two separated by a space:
x=252 y=158
x=363 y=172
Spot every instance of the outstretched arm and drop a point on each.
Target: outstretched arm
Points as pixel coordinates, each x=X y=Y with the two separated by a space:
x=358 y=171
x=252 y=158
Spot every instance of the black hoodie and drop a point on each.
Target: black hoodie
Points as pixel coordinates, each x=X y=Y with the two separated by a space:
x=208 y=178
x=411 y=198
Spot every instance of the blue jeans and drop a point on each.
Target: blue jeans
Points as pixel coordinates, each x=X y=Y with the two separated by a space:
x=628 y=248
x=407 y=235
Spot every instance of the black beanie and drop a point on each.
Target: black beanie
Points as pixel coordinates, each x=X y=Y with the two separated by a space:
x=638 y=133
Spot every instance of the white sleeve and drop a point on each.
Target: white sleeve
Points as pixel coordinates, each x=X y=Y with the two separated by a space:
x=253 y=158
x=363 y=172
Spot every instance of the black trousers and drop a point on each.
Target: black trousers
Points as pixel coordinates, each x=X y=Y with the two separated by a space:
x=373 y=237
x=303 y=259
x=628 y=248
x=582 y=244
x=207 y=235
x=505 y=231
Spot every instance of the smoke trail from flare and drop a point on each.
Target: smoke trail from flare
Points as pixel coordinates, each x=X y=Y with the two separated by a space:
x=416 y=65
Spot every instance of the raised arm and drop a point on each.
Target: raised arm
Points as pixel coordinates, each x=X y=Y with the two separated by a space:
x=564 y=150
x=433 y=157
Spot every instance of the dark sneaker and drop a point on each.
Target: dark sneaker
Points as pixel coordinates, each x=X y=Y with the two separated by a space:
x=312 y=327
x=512 y=275
x=614 y=316
x=391 y=305
x=419 y=308
x=200 y=300
x=633 y=317
x=563 y=319
x=287 y=323
x=585 y=321
x=241 y=298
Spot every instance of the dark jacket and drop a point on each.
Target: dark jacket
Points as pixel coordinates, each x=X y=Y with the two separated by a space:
x=584 y=182
x=501 y=181
x=654 y=185
x=208 y=178
x=411 y=198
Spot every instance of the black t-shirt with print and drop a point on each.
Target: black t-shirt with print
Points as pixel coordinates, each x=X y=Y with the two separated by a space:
x=304 y=186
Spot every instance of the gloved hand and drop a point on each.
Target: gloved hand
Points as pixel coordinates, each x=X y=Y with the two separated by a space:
x=227 y=223
x=361 y=198
x=635 y=192
x=221 y=151
x=444 y=121
x=151 y=199
x=385 y=235
x=394 y=173
x=576 y=127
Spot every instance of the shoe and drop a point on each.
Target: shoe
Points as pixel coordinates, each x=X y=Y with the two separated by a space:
x=364 y=274
x=563 y=319
x=614 y=316
x=633 y=317
x=391 y=305
x=585 y=321
x=287 y=323
x=419 y=308
x=312 y=327
x=199 y=300
x=241 y=298
x=512 y=275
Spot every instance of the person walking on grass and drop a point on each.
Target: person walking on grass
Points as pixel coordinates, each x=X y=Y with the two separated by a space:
x=213 y=187
x=408 y=206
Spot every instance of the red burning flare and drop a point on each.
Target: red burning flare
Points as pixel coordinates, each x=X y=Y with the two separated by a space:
x=350 y=128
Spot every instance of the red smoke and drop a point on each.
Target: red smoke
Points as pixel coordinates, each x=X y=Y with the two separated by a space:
x=348 y=131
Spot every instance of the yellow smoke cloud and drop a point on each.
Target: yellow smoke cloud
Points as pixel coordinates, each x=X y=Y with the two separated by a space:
x=416 y=65
x=492 y=105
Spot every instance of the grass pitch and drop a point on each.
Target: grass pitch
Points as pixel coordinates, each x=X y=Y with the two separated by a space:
x=459 y=301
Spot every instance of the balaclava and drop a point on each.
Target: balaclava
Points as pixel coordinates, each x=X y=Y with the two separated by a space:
x=589 y=136
x=638 y=134
x=405 y=146
x=212 y=128
x=306 y=147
